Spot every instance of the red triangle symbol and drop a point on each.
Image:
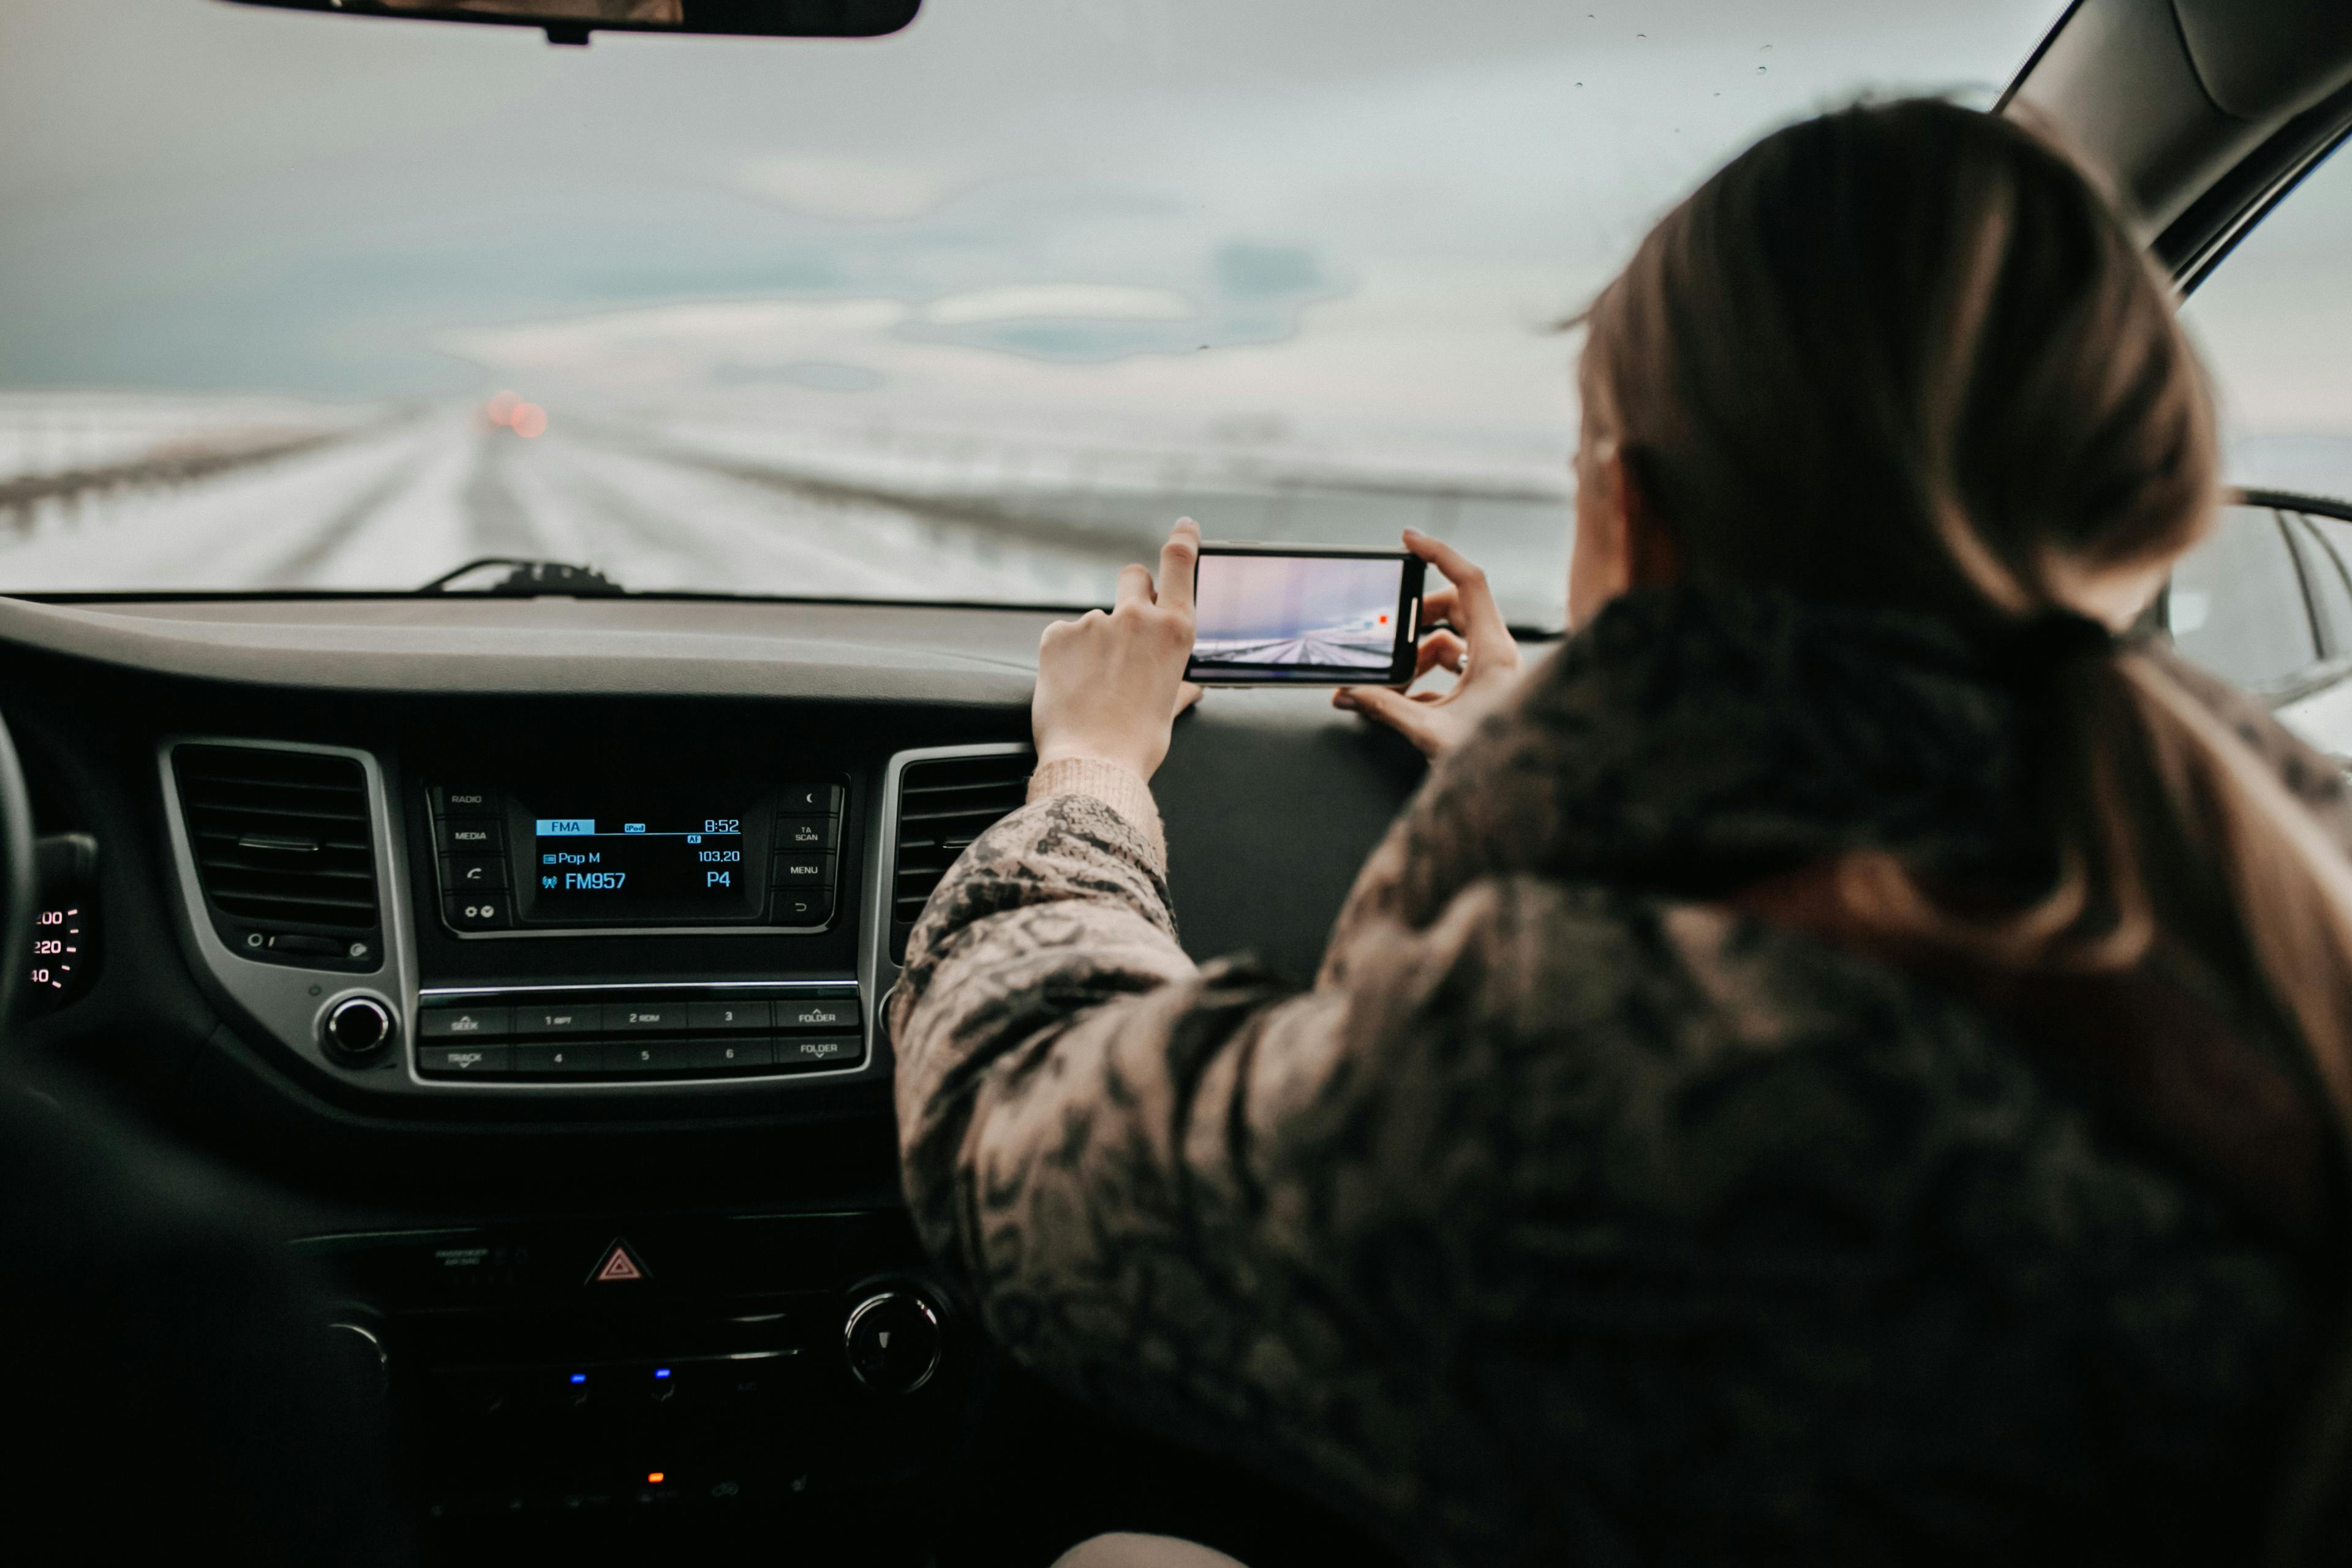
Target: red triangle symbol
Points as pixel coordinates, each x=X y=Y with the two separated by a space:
x=619 y=1264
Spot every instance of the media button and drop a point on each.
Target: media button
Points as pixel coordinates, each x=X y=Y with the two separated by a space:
x=475 y=912
x=836 y=1053
x=452 y=1061
x=817 y=1014
x=466 y=873
x=724 y=1017
x=803 y=906
x=470 y=835
x=798 y=868
x=573 y=1059
x=809 y=800
x=796 y=833
x=560 y=1018
x=730 y=1056
x=464 y=1022
x=644 y=1017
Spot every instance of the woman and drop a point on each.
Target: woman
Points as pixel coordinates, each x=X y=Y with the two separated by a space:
x=1847 y=1061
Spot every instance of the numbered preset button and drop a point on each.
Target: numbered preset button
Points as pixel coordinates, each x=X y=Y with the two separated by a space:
x=644 y=1017
x=726 y=1017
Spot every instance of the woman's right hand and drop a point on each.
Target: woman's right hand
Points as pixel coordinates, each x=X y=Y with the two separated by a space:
x=1478 y=649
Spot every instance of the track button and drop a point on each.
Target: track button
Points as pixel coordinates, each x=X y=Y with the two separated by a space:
x=463 y=1061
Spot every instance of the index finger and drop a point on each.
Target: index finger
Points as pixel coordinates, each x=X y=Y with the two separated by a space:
x=1178 y=559
x=1474 y=603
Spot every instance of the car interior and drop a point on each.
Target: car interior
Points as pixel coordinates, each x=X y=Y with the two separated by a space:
x=526 y=935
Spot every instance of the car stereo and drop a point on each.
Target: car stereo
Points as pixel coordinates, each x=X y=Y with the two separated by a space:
x=667 y=858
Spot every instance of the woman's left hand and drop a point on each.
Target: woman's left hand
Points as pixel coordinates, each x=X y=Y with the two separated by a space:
x=1110 y=686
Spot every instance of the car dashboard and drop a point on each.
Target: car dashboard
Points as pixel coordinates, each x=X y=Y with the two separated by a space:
x=538 y=950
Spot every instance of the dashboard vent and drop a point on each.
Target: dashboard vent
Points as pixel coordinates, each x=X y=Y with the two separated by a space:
x=282 y=842
x=944 y=803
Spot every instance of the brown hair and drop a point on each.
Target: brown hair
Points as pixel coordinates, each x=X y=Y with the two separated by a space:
x=1907 y=354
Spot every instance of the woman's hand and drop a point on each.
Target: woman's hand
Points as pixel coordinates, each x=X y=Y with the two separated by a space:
x=1487 y=665
x=1110 y=686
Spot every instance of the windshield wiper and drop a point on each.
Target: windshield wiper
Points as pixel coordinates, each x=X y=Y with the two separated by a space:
x=528 y=579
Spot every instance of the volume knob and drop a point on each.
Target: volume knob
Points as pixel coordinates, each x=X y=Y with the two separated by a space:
x=357 y=1026
x=893 y=1340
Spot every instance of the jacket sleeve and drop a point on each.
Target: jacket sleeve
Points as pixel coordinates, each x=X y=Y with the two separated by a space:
x=1129 y=1161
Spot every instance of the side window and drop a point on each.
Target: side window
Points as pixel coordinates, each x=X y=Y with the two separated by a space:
x=2273 y=322
x=2320 y=545
x=2237 y=604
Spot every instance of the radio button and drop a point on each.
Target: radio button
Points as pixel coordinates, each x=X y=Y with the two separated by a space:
x=810 y=799
x=819 y=1053
x=564 y=1018
x=465 y=873
x=470 y=835
x=817 y=1014
x=574 y=1058
x=477 y=912
x=725 y=1017
x=730 y=1056
x=803 y=906
x=805 y=832
x=450 y=1061
x=465 y=801
x=797 y=870
x=644 y=1017
x=464 y=1022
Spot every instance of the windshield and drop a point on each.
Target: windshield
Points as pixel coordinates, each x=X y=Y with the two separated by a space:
x=970 y=313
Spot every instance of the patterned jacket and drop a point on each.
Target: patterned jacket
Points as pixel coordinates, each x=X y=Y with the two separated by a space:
x=1570 y=1216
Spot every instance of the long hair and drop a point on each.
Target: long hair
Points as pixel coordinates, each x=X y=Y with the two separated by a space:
x=1908 y=353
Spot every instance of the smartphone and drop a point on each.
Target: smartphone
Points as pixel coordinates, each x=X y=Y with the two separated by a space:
x=1279 y=615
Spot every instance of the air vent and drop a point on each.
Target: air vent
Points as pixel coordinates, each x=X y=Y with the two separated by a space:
x=944 y=803
x=282 y=847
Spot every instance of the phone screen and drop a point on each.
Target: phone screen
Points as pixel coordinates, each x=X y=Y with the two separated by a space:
x=1265 y=616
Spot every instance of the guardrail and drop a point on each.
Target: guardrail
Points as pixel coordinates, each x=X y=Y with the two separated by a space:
x=21 y=494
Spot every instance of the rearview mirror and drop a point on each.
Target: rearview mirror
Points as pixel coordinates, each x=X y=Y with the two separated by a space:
x=571 y=21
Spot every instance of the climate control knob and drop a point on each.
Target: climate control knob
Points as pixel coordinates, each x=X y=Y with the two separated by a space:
x=356 y=1027
x=893 y=1340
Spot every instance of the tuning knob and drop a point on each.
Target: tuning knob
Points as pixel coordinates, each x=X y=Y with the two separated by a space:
x=356 y=1027
x=358 y=1346
x=893 y=1340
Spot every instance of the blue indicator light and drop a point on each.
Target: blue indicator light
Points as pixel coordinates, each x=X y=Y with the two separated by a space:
x=661 y=1372
x=564 y=826
x=579 y=1377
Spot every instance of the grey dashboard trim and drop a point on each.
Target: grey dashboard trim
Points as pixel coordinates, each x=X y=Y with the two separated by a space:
x=584 y=648
x=287 y=999
x=880 y=975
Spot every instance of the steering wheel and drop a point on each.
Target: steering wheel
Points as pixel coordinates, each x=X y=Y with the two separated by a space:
x=18 y=890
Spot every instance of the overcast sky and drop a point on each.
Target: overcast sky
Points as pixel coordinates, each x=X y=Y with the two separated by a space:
x=1364 y=213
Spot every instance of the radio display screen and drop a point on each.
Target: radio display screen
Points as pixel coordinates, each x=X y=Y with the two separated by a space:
x=643 y=863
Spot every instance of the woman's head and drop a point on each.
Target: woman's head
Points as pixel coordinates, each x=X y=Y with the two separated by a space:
x=1907 y=356
x=1900 y=353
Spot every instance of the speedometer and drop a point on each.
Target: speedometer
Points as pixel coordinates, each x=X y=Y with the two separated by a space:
x=58 y=939
x=65 y=926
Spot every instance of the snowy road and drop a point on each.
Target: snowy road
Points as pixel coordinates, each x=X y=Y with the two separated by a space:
x=1341 y=647
x=402 y=504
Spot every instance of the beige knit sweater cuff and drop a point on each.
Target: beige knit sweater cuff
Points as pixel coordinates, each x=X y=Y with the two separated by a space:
x=1116 y=787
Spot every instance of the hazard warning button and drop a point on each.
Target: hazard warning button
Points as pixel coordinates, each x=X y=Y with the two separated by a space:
x=618 y=1265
